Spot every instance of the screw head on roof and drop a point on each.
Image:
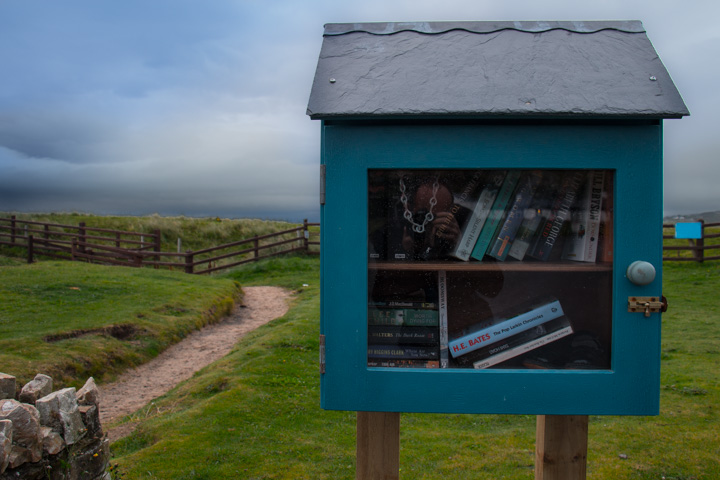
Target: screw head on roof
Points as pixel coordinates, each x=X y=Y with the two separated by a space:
x=653 y=78
x=332 y=80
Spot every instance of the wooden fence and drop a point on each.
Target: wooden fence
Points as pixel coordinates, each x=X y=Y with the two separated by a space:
x=116 y=247
x=692 y=250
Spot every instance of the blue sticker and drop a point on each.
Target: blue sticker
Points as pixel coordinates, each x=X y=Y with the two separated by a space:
x=688 y=230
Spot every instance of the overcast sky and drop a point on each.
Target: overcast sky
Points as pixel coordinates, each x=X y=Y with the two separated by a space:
x=197 y=108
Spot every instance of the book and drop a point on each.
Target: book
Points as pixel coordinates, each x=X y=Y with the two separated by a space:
x=402 y=363
x=399 y=335
x=524 y=194
x=582 y=243
x=559 y=212
x=505 y=328
x=513 y=341
x=476 y=220
x=605 y=247
x=403 y=304
x=403 y=316
x=487 y=234
x=533 y=216
x=524 y=348
x=403 y=352
x=443 y=319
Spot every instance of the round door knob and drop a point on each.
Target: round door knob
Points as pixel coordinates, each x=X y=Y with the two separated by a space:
x=641 y=273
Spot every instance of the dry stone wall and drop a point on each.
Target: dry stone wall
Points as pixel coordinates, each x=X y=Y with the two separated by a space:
x=51 y=435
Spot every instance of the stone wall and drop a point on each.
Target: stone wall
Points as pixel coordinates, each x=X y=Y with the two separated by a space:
x=51 y=435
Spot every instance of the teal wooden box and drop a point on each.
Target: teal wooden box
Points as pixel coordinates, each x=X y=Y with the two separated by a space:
x=356 y=141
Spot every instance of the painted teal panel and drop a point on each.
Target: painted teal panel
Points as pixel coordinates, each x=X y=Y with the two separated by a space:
x=631 y=387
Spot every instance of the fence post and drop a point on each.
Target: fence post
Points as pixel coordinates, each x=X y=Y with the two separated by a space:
x=117 y=240
x=189 y=261
x=73 y=250
x=30 y=249
x=157 y=247
x=256 y=246
x=700 y=243
x=306 y=235
x=12 y=229
x=46 y=233
x=82 y=233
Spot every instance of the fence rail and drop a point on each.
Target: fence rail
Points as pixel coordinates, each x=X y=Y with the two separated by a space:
x=117 y=247
x=695 y=250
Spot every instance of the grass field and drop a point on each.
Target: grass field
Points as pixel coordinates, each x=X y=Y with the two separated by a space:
x=255 y=414
x=72 y=320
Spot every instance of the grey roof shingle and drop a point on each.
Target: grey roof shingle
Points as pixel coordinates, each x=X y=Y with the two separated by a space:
x=491 y=70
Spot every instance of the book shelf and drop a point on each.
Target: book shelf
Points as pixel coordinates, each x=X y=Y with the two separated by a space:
x=503 y=264
x=567 y=267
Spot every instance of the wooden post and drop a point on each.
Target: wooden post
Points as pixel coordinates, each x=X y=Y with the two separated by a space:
x=30 y=249
x=306 y=235
x=256 y=246
x=378 y=446
x=158 y=246
x=700 y=243
x=12 y=229
x=561 y=447
x=83 y=239
x=189 y=261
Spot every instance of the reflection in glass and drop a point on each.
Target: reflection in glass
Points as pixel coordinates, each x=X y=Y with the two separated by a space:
x=490 y=268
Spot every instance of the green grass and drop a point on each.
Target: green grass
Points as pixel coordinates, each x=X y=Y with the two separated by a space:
x=54 y=317
x=256 y=415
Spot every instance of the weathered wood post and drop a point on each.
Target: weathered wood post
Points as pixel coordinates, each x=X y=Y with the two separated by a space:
x=158 y=246
x=700 y=243
x=306 y=236
x=378 y=446
x=12 y=228
x=82 y=233
x=189 y=265
x=30 y=250
x=561 y=447
x=256 y=247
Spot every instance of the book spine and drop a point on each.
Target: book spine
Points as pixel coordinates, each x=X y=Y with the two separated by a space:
x=514 y=341
x=515 y=214
x=576 y=241
x=560 y=212
x=606 y=226
x=496 y=214
x=403 y=352
x=504 y=329
x=443 y=319
x=407 y=317
x=399 y=335
x=400 y=363
x=402 y=305
x=472 y=228
x=595 y=216
x=521 y=349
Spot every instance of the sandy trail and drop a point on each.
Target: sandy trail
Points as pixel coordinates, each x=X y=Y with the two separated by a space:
x=137 y=387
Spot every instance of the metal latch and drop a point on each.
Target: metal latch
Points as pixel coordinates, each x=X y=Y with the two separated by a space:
x=322 y=353
x=647 y=304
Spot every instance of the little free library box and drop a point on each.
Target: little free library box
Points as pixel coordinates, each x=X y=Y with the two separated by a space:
x=491 y=217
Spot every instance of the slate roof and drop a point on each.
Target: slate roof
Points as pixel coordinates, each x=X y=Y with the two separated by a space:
x=491 y=70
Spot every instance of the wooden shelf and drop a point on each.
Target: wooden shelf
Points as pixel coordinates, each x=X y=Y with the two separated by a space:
x=575 y=267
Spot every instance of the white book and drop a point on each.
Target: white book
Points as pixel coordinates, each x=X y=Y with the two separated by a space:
x=521 y=349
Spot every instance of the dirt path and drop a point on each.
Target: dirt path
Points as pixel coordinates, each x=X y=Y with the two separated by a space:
x=137 y=387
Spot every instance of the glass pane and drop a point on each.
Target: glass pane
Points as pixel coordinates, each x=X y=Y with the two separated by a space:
x=490 y=268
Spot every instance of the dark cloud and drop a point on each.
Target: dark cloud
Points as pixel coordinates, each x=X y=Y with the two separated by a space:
x=198 y=107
